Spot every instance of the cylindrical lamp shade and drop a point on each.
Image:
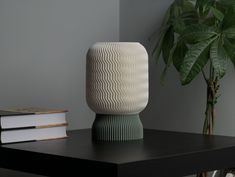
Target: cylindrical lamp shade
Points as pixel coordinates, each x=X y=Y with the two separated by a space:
x=117 y=89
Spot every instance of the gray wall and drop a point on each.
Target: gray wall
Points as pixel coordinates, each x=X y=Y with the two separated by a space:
x=172 y=106
x=42 y=52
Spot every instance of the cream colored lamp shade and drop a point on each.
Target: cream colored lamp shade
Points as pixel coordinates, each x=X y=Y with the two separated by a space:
x=117 y=89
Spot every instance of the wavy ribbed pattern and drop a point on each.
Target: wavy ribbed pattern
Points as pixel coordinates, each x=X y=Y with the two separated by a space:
x=117 y=128
x=117 y=78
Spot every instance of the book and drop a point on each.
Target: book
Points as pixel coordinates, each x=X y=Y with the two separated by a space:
x=31 y=117
x=33 y=134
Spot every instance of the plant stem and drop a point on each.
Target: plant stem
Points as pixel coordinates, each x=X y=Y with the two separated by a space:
x=210 y=107
x=212 y=95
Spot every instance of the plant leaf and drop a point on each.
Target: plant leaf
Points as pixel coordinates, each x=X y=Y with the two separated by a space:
x=157 y=49
x=219 y=15
x=179 y=54
x=198 y=3
x=203 y=7
x=167 y=44
x=182 y=12
x=166 y=17
x=164 y=27
x=199 y=6
x=168 y=64
x=190 y=17
x=187 y=5
x=218 y=58
x=230 y=50
x=178 y=25
x=194 y=60
x=230 y=32
x=196 y=33
x=163 y=75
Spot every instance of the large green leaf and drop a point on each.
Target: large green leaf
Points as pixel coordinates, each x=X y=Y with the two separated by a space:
x=178 y=55
x=230 y=32
x=178 y=25
x=218 y=58
x=166 y=18
x=203 y=7
x=167 y=44
x=168 y=64
x=184 y=14
x=164 y=28
x=187 y=6
x=158 y=47
x=218 y=14
x=194 y=60
x=175 y=9
x=199 y=5
x=230 y=50
x=190 y=17
x=196 y=33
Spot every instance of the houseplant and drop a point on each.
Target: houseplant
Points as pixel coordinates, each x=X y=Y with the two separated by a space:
x=198 y=37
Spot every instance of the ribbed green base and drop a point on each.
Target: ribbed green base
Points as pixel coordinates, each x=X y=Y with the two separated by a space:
x=117 y=127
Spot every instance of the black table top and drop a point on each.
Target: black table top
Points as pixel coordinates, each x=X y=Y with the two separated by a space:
x=160 y=153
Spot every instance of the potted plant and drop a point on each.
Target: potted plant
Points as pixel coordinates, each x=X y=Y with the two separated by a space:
x=198 y=37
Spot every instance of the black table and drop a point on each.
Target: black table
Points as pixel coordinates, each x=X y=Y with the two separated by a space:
x=160 y=154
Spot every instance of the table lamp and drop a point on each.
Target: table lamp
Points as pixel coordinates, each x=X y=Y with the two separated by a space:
x=117 y=89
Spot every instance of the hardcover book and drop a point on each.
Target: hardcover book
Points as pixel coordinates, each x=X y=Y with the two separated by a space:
x=31 y=117
x=33 y=134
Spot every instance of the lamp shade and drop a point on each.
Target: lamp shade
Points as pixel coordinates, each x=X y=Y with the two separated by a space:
x=117 y=89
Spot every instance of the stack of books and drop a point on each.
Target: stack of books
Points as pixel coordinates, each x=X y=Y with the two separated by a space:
x=32 y=124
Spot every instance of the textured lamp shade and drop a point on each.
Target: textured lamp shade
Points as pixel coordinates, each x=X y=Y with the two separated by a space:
x=117 y=89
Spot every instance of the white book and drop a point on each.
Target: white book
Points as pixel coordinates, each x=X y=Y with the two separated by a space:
x=31 y=117
x=33 y=134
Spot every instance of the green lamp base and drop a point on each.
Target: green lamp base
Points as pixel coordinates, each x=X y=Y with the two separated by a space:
x=117 y=127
